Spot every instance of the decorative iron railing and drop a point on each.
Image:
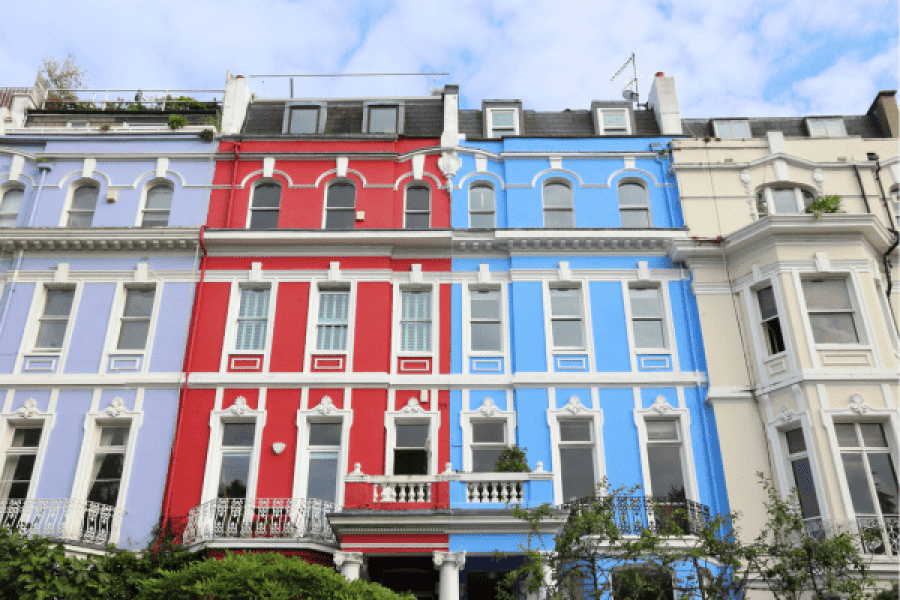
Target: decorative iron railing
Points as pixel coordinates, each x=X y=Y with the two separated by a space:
x=64 y=519
x=633 y=514
x=879 y=535
x=259 y=518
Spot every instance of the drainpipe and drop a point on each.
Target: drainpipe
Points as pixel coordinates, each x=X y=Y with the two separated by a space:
x=44 y=168
x=862 y=190
x=885 y=258
x=237 y=158
x=167 y=500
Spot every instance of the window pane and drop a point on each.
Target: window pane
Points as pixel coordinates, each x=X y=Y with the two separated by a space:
x=873 y=435
x=415 y=336
x=649 y=334
x=159 y=197
x=503 y=118
x=411 y=436
x=565 y=302
x=833 y=328
x=111 y=466
x=304 y=120
x=339 y=219
x=104 y=492
x=767 y=307
x=481 y=197
x=254 y=303
x=51 y=334
x=645 y=302
x=85 y=198
x=635 y=219
x=26 y=438
x=12 y=201
x=795 y=441
x=251 y=335
x=559 y=219
x=267 y=195
x=417 y=220
x=234 y=475
x=666 y=479
x=21 y=467
x=484 y=459
x=410 y=462
x=486 y=336
x=155 y=219
x=858 y=483
x=59 y=303
x=416 y=305
x=784 y=201
x=828 y=294
x=632 y=194
x=885 y=479
x=80 y=219
x=325 y=434
x=113 y=436
x=490 y=432
x=567 y=334
x=264 y=219
x=723 y=129
x=331 y=337
x=557 y=195
x=138 y=303
x=333 y=307
x=740 y=129
x=575 y=431
x=383 y=119
x=846 y=435
x=577 y=466
x=417 y=198
x=803 y=480
x=662 y=429
x=238 y=434
x=774 y=337
x=482 y=220
x=133 y=335
x=485 y=304
x=614 y=119
x=341 y=195
x=322 y=482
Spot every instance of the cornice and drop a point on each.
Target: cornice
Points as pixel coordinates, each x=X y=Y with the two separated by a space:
x=450 y=521
x=99 y=238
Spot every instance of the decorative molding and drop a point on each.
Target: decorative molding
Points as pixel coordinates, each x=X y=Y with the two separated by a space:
x=643 y=271
x=784 y=416
x=255 y=273
x=449 y=163
x=326 y=406
x=418 y=165
x=858 y=405
x=116 y=407
x=484 y=273
x=457 y=559
x=488 y=408
x=661 y=406
x=239 y=407
x=29 y=409
x=823 y=265
x=341 y=163
x=412 y=406
x=268 y=166
x=574 y=405
x=334 y=271
x=565 y=273
x=278 y=447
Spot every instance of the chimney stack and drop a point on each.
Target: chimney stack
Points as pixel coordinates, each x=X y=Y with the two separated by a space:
x=884 y=111
x=664 y=102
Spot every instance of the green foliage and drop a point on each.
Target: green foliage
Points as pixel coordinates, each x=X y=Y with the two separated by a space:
x=261 y=575
x=185 y=103
x=177 y=121
x=824 y=204
x=212 y=121
x=207 y=135
x=512 y=459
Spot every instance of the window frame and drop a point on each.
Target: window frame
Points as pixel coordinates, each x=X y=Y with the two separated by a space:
x=40 y=317
x=119 y=311
x=665 y=323
x=575 y=410
x=434 y=316
x=807 y=454
x=661 y=409
x=145 y=197
x=501 y=319
x=604 y=130
x=324 y=412
x=585 y=345
x=833 y=126
x=326 y=208
x=321 y=117
x=41 y=421
x=487 y=412
x=217 y=419
x=854 y=311
x=412 y=415
x=320 y=290
x=719 y=129
x=481 y=183
x=504 y=131
x=765 y=203
x=398 y=114
x=555 y=209
x=645 y=207
x=764 y=321
x=407 y=211
x=251 y=209
x=266 y=320
x=4 y=197
x=70 y=198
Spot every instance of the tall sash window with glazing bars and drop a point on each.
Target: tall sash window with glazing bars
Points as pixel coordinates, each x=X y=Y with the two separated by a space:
x=252 y=319
x=331 y=331
x=415 y=321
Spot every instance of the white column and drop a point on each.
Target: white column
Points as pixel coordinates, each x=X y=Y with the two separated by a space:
x=450 y=564
x=549 y=581
x=349 y=563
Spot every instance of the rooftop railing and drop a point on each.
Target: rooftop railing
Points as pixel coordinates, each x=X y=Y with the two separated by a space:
x=136 y=100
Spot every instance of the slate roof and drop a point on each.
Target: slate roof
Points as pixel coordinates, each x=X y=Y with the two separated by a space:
x=865 y=126
x=555 y=124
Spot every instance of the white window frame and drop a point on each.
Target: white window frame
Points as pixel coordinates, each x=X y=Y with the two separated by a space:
x=855 y=311
x=322 y=114
x=808 y=454
x=574 y=409
x=407 y=211
x=435 y=291
x=117 y=314
x=26 y=420
x=316 y=291
x=635 y=207
x=664 y=319
x=94 y=421
x=582 y=318
x=487 y=412
x=324 y=412
x=4 y=191
x=719 y=125
x=250 y=209
x=765 y=204
x=468 y=319
x=231 y=330
x=352 y=210
x=412 y=413
x=143 y=210
x=604 y=130
x=832 y=126
x=39 y=316
x=556 y=209
x=70 y=193
x=767 y=352
x=481 y=183
x=398 y=111
x=662 y=410
x=491 y=130
x=236 y=413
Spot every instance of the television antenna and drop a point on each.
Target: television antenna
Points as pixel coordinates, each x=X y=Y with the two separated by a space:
x=632 y=95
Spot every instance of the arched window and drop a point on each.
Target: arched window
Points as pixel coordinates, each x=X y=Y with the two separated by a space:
x=84 y=202
x=158 y=205
x=482 y=208
x=780 y=201
x=559 y=205
x=9 y=207
x=340 y=202
x=265 y=205
x=418 y=207
x=634 y=205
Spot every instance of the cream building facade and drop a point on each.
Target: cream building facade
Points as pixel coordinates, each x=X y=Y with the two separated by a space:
x=799 y=312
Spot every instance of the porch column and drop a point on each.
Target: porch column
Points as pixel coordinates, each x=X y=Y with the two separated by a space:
x=450 y=564
x=549 y=582
x=349 y=563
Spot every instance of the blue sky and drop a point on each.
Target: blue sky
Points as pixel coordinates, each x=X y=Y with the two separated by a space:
x=739 y=58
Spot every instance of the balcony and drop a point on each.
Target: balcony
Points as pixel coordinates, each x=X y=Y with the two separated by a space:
x=633 y=514
x=285 y=519
x=881 y=535
x=69 y=521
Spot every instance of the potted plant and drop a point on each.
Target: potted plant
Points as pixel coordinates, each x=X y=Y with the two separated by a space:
x=824 y=204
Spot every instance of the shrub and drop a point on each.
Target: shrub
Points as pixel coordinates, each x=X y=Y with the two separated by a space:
x=177 y=121
x=512 y=460
x=824 y=204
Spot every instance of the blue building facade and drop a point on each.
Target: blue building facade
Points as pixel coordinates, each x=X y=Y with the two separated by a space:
x=98 y=263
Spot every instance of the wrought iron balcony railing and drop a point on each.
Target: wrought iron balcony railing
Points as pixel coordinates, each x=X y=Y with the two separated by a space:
x=880 y=535
x=633 y=514
x=259 y=518
x=63 y=519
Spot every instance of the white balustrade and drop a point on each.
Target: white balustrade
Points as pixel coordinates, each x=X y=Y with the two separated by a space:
x=65 y=519
x=401 y=488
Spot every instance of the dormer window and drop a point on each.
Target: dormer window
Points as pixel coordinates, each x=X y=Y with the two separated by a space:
x=833 y=127
x=382 y=119
x=304 y=119
x=734 y=128
x=614 y=121
x=503 y=122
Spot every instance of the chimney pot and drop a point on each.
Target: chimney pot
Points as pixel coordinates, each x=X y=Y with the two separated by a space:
x=660 y=74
